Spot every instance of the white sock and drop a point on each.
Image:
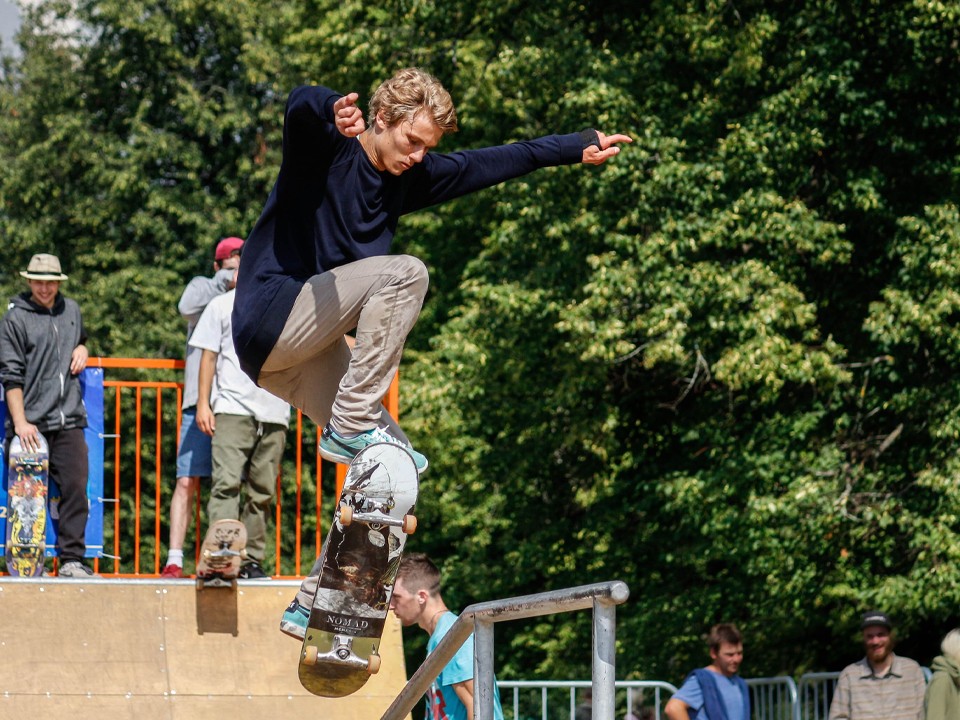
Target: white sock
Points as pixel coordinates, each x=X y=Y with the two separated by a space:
x=175 y=557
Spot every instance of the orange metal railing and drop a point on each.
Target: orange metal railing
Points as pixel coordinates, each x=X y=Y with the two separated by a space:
x=144 y=475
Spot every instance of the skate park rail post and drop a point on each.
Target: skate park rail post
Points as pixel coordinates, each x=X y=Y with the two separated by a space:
x=480 y=618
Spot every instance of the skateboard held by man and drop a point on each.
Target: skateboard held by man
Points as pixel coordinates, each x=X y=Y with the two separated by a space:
x=221 y=554
x=359 y=563
x=26 y=509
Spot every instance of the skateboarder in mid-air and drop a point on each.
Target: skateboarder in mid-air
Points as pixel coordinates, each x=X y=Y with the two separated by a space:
x=316 y=265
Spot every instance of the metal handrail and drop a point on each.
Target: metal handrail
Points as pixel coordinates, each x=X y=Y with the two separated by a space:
x=479 y=619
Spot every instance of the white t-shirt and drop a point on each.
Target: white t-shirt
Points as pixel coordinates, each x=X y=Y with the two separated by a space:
x=198 y=293
x=237 y=393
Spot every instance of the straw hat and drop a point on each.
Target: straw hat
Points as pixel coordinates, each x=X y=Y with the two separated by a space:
x=43 y=267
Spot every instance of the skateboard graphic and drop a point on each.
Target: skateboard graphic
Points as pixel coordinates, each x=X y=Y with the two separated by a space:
x=359 y=563
x=26 y=509
x=223 y=549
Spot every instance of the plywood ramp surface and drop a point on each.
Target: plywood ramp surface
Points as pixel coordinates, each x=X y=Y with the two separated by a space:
x=130 y=649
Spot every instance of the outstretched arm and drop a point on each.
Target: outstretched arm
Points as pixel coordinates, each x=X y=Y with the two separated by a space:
x=598 y=148
x=445 y=176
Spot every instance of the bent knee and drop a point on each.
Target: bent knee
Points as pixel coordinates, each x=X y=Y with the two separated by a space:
x=188 y=483
x=415 y=271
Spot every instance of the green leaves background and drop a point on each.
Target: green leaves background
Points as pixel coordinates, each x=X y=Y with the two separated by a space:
x=721 y=367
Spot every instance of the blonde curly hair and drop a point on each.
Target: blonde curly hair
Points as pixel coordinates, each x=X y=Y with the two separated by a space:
x=408 y=93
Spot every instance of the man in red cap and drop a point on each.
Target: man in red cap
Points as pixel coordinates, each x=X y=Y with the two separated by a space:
x=194 y=450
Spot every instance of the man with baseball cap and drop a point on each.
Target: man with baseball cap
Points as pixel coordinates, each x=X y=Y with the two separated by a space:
x=42 y=339
x=883 y=685
x=226 y=249
x=194 y=451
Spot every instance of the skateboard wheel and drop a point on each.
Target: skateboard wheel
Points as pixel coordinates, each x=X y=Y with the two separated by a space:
x=409 y=524
x=310 y=654
x=346 y=515
x=373 y=664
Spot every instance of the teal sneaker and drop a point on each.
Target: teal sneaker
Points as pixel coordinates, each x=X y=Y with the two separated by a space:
x=294 y=620
x=338 y=449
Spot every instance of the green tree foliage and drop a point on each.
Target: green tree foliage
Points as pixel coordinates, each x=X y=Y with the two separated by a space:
x=718 y=368
x=670 y=370
x=131 y=145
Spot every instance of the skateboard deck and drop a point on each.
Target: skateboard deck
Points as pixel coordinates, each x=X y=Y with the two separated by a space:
x=222 y=551
x=26 y=509
x=359 y=563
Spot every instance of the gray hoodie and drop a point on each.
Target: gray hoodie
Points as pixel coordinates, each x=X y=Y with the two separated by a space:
x=198 y=293
x=36 y=344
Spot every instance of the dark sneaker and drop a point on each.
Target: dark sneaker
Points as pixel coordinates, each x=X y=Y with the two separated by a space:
x=338 y=449
x=77 y=570
x=294 y=620
x=252 y=571
x=172 y=572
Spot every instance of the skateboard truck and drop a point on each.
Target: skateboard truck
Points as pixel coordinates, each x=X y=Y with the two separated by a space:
x=342 y=652
x=347 y=515
x=215 y=578
x=224 y=552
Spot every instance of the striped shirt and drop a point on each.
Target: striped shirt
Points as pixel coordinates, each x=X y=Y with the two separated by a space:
x=863 y=695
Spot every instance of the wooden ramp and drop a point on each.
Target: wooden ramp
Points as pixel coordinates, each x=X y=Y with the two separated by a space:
x=131 y=649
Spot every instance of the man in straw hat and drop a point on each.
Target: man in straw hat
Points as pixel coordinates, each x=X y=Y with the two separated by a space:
x=42 y=352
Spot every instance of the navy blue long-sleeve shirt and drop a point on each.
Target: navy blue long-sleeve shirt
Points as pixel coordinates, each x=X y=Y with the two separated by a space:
x=331 y=206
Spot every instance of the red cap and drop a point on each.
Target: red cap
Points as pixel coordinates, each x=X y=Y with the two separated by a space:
x=227 y=247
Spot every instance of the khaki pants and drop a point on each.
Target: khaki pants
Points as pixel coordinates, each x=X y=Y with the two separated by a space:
x=240 y=444
x=311 y=366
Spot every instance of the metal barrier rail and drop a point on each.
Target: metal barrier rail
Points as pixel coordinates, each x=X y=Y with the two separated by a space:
x=774 y=698
x=479 y=620
x=147 y=481
x=816 y=691
x=634 y=691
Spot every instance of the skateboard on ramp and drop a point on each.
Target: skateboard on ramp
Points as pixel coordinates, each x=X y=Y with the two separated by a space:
x=26 y=509
x=222 y=551
x=359 y=563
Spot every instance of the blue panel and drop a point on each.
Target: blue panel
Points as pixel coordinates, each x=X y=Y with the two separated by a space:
x=91 y=380
x=3 y=475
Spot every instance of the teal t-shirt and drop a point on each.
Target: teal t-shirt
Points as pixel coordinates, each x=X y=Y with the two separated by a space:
x=442 y=700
